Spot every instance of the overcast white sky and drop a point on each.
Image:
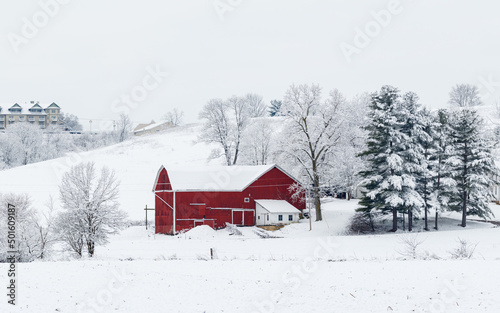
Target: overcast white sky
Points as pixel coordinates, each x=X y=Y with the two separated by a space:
x=90 y=53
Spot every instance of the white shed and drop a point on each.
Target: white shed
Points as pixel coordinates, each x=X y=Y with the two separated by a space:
x=275 y=212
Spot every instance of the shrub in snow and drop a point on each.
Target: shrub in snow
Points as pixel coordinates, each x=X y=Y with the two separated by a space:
x=361 y=223
x=464 y=250
x=410 y=244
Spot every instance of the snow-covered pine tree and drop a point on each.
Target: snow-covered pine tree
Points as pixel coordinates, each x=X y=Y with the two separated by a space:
x=388 y=178
x=425 y=181
x=274 y=108
x=412 y=153
x=443 y=183
x=471 y=165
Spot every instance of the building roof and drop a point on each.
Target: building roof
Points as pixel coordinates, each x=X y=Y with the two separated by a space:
x=215 y=178
x=277 y=206
x=53 y=105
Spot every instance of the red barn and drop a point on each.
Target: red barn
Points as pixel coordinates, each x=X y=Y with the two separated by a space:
x=214 y=196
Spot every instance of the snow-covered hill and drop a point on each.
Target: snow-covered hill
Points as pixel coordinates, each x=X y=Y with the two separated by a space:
x=136 y=163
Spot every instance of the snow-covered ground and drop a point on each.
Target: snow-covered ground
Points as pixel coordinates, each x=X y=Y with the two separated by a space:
x=321 y=270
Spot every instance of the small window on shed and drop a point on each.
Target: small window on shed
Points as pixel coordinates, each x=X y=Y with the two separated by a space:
x=290 y=217
x=280 y=217
x=247 y=200
x=258 y=217
x=268 y=217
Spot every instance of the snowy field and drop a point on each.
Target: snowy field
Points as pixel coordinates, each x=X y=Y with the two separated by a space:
x=321 y=270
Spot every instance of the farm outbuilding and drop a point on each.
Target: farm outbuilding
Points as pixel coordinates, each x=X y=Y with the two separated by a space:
x=275 y=212
x=214 y=196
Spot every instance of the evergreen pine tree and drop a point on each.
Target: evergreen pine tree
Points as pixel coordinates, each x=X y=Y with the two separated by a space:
x=391 y=156
x=425 y=181
x=471 y=165
x=443 y=183
x=275 y=107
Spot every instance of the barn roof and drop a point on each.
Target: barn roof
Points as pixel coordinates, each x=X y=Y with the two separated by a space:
x=215 y=178
x=277 y=206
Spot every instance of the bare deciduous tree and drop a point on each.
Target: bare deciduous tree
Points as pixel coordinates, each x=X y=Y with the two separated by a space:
x=256 y=105
x=314 y=128
x=91 y=211
x=465 y=95
x=174 y=117
x=241 y=114
x=34 y=234
x=257 y=142
x=124 y=127
x=217 y=126
x=225 y=123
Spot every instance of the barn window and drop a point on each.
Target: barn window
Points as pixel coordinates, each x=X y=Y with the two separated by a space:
x=280 y=217
x=290 y=217
x=268 y=217
x=247 y=200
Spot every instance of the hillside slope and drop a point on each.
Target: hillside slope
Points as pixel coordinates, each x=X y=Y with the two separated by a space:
x=136 y=163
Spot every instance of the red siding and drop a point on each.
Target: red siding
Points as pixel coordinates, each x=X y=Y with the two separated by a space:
x=213 y=208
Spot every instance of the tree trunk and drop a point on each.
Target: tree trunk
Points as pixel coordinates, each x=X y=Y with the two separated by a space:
x=436 y=221
x=317 y=200
x=464 y=209
x=227 y=154
x=464 y=192
x=410 y=220
x=394 y=219
x=426 y=218
x=236 y=151
x=90 y=248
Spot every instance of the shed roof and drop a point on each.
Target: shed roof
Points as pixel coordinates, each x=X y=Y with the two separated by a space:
x=277 y=206
x=215 y=178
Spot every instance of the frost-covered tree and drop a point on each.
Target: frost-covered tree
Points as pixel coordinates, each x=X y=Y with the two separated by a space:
x=274 y=108
x=34 y=232
x=56 y=143
x=425 y=179
x=391 y=155
x=91 y=211
x=256 y=106
x=29 y=138
x=471 y=165
x=312 y=131
x=411 y=150
x=217 y=127
x=241 y=112
x=257 y=142
x=225 y=123
x=443 y=184
x=10 y=151
x=123 y=128
x=174 y=117
x=465 y=95
x=347 y=164
x=70 y=122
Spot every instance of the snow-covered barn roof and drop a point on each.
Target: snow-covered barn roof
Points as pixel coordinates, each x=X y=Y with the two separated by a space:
x=277 y=206
x=215 y=178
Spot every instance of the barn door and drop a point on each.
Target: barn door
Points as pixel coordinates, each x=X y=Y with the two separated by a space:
x=238 y=217
x=249 y=218
x=198 y=223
